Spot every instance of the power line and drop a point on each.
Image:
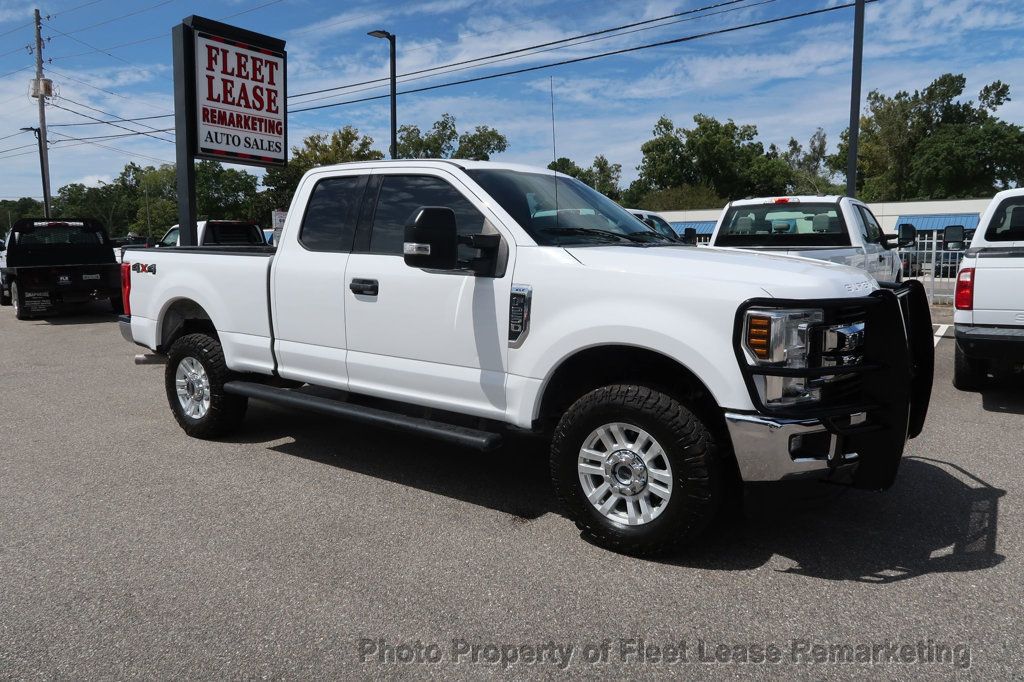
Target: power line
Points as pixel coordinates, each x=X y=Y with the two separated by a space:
x=161 y=36
x=577 y=60
x=91 y=47
x=109 y=92
x=531 y=47
x=113 y=120
x=11 y=156
x=117 y=18
x=117 y=135
x=11 y=73
x=20 y=132
x=78 y=113
x=73 y=9
x=549 y=49
x=105 y=113
x=24 y=146
x=115 y=149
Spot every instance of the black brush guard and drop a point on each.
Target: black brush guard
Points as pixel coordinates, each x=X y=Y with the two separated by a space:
x=892 y=386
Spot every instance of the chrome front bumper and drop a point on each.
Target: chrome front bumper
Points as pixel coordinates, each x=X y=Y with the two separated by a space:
x=764 y=447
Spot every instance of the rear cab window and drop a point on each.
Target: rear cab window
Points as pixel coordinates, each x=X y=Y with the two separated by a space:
x=331 y=214
x=784 y=225
x=233 y=234
x=1007 y=224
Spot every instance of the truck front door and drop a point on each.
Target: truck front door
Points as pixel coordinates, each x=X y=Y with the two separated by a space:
x=878 y=260
x=433 y=338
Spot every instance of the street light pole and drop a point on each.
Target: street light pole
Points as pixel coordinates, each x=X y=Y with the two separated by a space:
x=42 y=170
x=394 y=89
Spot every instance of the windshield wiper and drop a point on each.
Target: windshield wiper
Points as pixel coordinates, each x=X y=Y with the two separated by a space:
x=589 y=231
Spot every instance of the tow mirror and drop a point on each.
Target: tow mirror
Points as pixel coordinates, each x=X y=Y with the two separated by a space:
x=690 y=235
x=906 y=235
x=431 y=239
x=953 y=238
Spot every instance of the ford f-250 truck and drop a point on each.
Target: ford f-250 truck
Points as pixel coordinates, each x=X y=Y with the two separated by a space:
x=46 y=264
x=503 y=297
x=837 y=229
x=989 y=316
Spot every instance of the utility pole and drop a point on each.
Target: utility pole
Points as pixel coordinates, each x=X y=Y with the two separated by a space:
x=40 y=91
x=858 y=63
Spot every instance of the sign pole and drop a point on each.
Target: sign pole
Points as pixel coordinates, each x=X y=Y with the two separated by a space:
x=858 y=64
x=183 y=40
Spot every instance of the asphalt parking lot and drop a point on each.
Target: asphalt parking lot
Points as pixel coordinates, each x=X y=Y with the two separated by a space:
x=305 y=547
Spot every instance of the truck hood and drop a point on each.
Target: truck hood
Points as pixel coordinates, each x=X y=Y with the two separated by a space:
x=777 y=275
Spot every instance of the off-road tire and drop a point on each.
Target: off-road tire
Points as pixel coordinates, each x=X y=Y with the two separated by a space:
x=226 y=411
x=18 y=302
x=969 y=374
x=697 y=472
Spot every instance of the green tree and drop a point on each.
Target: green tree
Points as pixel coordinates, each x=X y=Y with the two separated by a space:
x=320 y=149
x=602 y=175
x=682 y=198
x=726 y=157
x=934 y=144
x=443 y=141
x=224 y=193
x=811 y=174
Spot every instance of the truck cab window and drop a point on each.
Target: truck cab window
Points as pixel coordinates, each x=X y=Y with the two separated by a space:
x=330 y=220
x=1007 y=222
x=401 y=195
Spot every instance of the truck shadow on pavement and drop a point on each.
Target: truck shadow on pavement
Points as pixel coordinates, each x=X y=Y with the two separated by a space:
x=514 y=480
x=1006 y=397
x=937 y=518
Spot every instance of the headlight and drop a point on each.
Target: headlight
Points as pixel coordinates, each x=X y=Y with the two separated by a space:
x=780 y=338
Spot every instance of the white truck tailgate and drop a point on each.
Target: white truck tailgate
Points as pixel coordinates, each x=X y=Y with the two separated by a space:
x=998 y=299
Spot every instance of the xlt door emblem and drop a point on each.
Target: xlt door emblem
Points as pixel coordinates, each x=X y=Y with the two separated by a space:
x=519 y=314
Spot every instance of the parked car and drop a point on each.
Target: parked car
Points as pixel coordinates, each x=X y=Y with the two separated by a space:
x=837 y=229
x=489 y=297
x=656 y=222
x=46 y=264
x=989 y=309
x=947 y=263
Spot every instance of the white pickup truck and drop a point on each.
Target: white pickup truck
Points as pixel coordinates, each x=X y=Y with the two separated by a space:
x=499 y=297
x=989 y=316
x=832 y=228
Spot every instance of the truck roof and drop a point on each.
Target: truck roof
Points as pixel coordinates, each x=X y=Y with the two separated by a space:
x=800 y=199
x=465 y=164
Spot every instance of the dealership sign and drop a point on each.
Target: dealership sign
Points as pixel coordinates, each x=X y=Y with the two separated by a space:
x=237 y=82
x=240 y=100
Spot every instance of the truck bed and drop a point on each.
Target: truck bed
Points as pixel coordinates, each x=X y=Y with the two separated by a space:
x=229 y=283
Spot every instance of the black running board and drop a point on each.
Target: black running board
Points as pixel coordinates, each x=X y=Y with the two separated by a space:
x=457 y=435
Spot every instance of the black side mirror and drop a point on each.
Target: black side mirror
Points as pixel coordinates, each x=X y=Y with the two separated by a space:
x=431 y=239
x=953 y=238
x=690 y=235
x=906 y=235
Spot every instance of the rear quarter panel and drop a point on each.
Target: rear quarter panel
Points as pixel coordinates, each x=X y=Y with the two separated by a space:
x=231 y=289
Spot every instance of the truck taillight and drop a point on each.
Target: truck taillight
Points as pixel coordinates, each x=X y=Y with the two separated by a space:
x=126 y=287
x=964 y=297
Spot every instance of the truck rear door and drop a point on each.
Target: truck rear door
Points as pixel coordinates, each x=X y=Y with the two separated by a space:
x=308 y=280
x=999 y=268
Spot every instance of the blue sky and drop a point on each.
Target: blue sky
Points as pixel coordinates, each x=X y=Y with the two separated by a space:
x=786 y=78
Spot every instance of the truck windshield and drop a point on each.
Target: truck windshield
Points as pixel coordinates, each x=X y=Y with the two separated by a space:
x=562 y=211
x=783 y=226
